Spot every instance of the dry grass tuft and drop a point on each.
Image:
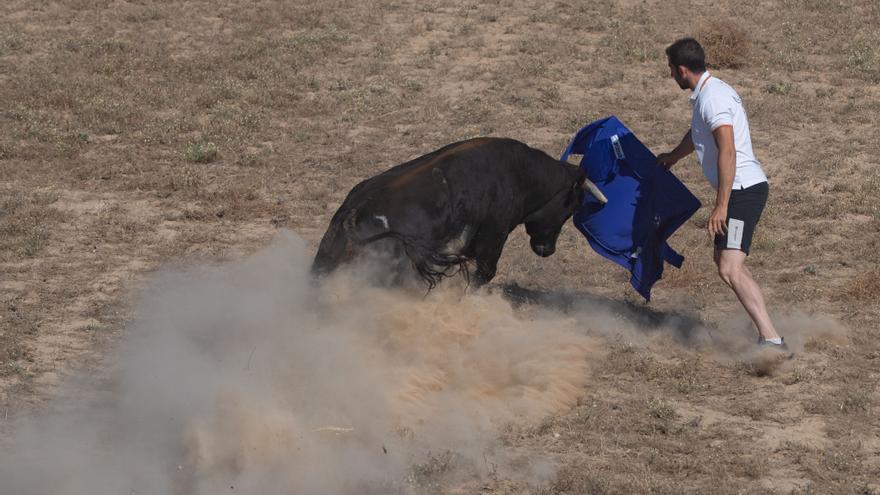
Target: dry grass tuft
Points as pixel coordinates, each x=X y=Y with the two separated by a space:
x=725 y=43
x=570 y=480
x=863 y=287
x=661 y=409
x=201 y=152
x=863 y=58
x=26 y=222
x=428 y=475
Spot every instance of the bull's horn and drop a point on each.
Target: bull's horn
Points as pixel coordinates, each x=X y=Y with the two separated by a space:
x=589 y=186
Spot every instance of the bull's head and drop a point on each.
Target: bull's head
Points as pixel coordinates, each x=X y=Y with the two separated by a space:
x=544 y=225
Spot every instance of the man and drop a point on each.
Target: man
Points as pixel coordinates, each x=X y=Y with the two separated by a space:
x=719 y=134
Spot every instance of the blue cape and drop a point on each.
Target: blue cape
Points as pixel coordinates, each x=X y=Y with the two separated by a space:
x=646 y=203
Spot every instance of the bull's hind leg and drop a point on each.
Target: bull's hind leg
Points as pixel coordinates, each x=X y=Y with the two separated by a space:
x=334 y=250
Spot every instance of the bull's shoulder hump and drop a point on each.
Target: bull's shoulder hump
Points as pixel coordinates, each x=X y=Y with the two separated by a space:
x=489 y=142
x=498 y=147
x=452 y=151
x=422 y=168
x=508 y=148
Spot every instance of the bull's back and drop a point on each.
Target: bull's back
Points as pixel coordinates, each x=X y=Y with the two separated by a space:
x=474 y=165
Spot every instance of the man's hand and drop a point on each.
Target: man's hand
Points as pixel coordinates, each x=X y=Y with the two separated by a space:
x=717 y=222
x=684 y=148
x=666 y=160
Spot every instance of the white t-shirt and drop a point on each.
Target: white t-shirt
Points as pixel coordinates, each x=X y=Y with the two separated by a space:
x=717 y=104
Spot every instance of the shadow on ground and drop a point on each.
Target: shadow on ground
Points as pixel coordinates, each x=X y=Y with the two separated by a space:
x=685 y=327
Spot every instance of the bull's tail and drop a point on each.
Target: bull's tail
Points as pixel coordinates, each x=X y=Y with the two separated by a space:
x=431 y=264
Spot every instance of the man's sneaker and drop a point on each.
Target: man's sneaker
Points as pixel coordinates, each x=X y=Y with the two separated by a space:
x=783 y=347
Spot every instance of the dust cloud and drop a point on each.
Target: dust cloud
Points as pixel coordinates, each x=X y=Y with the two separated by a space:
x=251 y=378
x=735 y=339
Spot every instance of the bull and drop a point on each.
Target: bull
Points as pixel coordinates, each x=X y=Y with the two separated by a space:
x=456 y=205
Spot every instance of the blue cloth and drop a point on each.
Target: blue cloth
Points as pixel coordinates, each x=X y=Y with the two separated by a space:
x=646 y=203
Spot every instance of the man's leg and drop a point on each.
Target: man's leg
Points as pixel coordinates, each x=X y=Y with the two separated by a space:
x=733 y=271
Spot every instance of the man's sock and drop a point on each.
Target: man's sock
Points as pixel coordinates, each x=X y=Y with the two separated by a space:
x=777 y=341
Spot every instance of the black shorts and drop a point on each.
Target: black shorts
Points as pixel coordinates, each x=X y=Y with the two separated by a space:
x=743 y=212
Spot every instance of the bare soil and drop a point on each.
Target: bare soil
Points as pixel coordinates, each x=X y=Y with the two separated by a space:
x=140 y=133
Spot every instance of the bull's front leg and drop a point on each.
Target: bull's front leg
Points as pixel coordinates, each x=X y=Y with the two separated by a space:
x=487 y=247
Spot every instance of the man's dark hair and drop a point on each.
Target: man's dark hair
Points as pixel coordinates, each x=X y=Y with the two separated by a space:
x=687 y=52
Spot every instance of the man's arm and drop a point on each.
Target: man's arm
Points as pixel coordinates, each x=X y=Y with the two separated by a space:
x=684 y=148
x=726 y=171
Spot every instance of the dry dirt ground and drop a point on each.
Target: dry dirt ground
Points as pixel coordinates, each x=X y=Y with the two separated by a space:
x=136 y=133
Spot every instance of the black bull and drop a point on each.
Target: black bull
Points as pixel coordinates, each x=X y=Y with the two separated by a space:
x=455 y=205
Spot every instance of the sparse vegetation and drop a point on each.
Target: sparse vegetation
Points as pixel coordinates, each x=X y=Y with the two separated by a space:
x=108 y=127
x=201 y=152
x=781 y=89
x=862 y=58
x=726 y=44
x=863 y=287
x=25 y=224
x=661 y=409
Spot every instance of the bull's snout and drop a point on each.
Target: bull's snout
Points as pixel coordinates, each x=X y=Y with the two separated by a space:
x=543 y=250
